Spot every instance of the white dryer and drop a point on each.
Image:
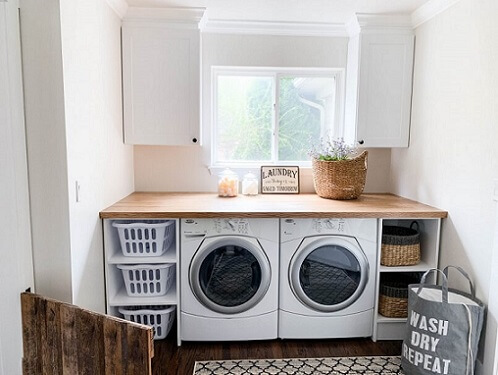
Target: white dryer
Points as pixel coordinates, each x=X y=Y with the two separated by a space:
x=327 y=277
x=229 y=279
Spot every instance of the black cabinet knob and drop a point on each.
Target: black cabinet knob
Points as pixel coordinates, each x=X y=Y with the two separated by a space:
x=361 y=141
x=194 y=140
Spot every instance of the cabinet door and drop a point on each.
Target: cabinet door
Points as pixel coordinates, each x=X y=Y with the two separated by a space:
x=385 y=90
x=161 y=84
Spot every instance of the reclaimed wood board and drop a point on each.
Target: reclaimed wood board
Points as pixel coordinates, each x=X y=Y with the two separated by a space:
x=63 y=339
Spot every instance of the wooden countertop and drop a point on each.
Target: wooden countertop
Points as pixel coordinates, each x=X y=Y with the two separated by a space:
x=209 y=205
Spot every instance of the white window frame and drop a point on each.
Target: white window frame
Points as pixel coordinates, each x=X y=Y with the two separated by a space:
x=337 y=73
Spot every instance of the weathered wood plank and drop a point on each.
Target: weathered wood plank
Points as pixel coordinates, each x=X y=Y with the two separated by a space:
x=90 y=343
x=138 y=347
x=62 y=339
x=69 y=338
x=51 y=340
x=32 y=364
x=29 y=367
x=41 y=306
x=115 y=351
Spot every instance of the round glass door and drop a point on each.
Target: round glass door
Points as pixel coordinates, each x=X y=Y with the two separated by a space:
x=230 y=275
x=329 y=274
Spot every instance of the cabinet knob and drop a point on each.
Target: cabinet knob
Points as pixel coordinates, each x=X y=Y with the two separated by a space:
x=194 y=140
x=361 y=141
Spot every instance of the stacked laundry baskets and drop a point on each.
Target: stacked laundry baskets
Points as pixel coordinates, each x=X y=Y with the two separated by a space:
x=147 y=273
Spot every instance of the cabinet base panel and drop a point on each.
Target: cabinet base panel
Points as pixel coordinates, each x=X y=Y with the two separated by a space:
x=198 y=328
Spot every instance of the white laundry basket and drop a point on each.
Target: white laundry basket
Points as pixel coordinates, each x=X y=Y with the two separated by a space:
x=147 y=280
x=161 y=318
x=145 y=238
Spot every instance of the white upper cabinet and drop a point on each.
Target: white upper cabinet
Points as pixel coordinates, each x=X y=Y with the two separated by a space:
x=379 y=83
x=161 y=83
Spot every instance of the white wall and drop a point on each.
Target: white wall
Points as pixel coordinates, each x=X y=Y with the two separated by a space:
x=96 y=155
x=46 y=141
x=16 y=268
x=453 y=158
x=185 y=168
x=72 y=65
x=491 y=334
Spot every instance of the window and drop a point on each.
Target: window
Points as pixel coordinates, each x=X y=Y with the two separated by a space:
x=265 y=116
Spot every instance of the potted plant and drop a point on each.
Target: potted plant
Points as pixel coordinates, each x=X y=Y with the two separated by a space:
x=338 y=171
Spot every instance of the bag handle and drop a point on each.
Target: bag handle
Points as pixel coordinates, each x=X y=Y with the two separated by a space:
x=470 y=354
x=414 y=222
x=465 y=274
x=444 y=284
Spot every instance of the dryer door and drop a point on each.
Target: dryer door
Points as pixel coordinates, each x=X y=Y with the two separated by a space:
x=230 y=274
x=328 y=274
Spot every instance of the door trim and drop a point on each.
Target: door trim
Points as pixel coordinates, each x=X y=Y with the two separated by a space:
x=306 y=248
x=210 y=244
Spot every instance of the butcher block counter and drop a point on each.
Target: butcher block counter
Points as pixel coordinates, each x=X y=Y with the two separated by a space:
x=209 y=205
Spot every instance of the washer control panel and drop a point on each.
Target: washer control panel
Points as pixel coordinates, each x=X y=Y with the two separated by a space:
x=236 y=226
x=200 y=227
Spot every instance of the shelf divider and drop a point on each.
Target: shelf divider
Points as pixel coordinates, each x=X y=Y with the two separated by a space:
x=168 y=257
x=121 y=298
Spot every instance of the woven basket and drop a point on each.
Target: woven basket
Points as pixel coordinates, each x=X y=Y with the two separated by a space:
x=343 y=179
x=393 y=294
x=400 y=246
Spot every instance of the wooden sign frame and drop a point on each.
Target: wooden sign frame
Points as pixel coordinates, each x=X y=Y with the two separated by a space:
x=279 y=179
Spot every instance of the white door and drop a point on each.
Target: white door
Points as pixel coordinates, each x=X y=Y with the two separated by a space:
x=16 y=267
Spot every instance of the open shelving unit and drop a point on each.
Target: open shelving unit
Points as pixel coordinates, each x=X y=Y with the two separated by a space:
x=386 y=328
x=116 y=295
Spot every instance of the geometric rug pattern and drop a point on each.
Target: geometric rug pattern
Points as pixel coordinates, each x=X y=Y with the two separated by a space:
x=384 y=365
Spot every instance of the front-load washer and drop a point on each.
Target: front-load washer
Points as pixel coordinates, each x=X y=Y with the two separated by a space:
x=229 y=279
x=327 y=277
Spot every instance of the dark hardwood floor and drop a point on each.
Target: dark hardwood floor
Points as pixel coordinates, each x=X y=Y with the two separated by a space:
x=172 y=360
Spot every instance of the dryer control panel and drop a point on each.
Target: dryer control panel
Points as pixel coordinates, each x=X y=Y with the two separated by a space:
x=328 y=224
x=304 y=227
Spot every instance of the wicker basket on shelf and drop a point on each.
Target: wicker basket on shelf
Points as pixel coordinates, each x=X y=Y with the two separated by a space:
x=400 y=246
x=393 y=294
x=342 y=179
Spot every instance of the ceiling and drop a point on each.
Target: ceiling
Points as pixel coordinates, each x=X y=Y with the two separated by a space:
x=330 y=11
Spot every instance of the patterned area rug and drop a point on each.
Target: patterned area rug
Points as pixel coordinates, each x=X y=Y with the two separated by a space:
x=303 y=366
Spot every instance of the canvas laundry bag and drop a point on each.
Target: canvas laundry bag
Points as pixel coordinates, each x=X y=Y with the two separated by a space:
x=443 y=328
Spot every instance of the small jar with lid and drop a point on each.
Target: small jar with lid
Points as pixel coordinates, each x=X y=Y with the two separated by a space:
x=228 y=184
x=250 y=184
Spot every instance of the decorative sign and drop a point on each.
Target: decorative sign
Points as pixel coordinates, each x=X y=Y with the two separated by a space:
x=279 y=180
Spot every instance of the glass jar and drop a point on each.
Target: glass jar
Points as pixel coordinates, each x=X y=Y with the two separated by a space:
x=228 y=184
x=250 y=184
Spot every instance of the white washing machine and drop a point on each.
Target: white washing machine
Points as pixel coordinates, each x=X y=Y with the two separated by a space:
x=229 y=279
x=327 y=277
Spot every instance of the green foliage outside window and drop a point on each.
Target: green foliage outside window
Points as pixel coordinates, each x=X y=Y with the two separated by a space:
x=245 y=118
